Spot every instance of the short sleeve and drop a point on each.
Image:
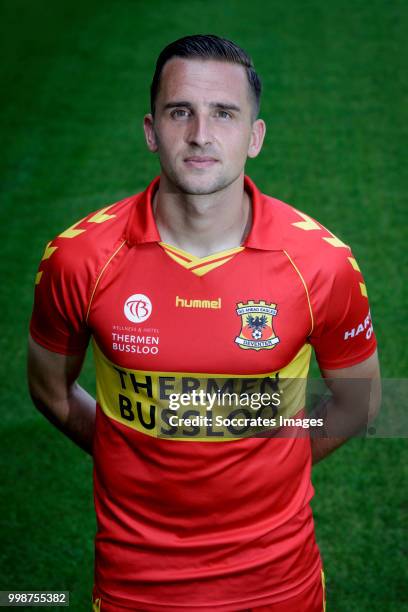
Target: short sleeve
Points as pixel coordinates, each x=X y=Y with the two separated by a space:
x=58 y=320
x=343 y=335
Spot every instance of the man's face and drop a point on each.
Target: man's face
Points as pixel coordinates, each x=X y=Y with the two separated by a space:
x=203 y=129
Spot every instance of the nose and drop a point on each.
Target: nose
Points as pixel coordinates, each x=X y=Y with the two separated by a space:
x=199 y=133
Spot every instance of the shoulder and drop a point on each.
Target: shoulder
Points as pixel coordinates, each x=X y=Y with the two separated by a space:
x=333 y=282
x=97 y=232
x=85 y=245
x=322 y=259
x=314 y=248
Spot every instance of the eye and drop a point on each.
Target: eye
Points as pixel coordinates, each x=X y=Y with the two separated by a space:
x=222 y=114
x=179 y=113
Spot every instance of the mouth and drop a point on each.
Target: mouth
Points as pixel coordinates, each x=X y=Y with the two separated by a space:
x=200 y=161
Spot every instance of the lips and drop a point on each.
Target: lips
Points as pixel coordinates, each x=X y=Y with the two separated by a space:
x=200 y=161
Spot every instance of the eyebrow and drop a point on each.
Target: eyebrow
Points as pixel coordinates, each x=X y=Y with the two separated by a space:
x=186 y=104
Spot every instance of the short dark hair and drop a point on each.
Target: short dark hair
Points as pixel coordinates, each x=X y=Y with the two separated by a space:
x=207 y=47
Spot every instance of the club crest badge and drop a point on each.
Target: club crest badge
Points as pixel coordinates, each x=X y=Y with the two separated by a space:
x=256 y=325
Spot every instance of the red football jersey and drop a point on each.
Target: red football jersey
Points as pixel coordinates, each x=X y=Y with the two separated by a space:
x=192 y=515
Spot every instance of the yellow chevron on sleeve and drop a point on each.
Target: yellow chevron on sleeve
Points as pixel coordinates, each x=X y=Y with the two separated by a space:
x=38 y=277
x=363 y=289
x=354 y=264
x=308 y=223
x=72 y=232
x=49 y=250
x=336 y=242
x=333 y=240
x=96 y=605
x=100 y=216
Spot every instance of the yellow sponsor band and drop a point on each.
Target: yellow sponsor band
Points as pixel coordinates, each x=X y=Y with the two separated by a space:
x=164 y=404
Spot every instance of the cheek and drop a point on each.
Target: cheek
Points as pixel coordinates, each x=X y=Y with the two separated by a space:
x=172 y=138
x=241 y=137
x=239 y=146
x=167 y=144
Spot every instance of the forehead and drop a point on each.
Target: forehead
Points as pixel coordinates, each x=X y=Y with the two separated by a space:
x=203 y=80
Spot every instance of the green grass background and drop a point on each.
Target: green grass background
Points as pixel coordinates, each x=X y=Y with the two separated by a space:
x=75 y=79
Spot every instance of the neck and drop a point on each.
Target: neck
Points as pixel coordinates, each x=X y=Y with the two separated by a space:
x=203 y=224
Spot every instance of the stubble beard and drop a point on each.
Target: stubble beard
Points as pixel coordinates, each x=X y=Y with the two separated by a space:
x=199 y=185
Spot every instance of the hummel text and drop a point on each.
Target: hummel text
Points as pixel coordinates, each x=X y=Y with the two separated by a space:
x=184 y=303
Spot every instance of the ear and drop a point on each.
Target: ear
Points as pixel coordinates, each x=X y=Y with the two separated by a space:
x=257 y=137
x=150 y=135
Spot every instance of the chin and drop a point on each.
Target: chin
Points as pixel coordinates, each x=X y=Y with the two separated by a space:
x=202 y=185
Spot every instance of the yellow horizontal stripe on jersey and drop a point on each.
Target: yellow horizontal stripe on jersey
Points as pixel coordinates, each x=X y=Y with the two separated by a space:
x=145 y=400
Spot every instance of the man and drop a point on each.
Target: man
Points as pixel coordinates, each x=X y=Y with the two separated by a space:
x=199 y=285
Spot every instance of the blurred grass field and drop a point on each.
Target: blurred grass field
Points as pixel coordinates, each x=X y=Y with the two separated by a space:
x=75 y=87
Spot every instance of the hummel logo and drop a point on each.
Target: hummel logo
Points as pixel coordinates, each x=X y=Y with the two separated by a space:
x=184 y=303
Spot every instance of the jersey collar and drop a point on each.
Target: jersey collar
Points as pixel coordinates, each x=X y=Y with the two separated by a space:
x=141 y=227
x=266 y=231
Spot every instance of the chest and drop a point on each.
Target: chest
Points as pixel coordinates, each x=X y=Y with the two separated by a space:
x=249 y=315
